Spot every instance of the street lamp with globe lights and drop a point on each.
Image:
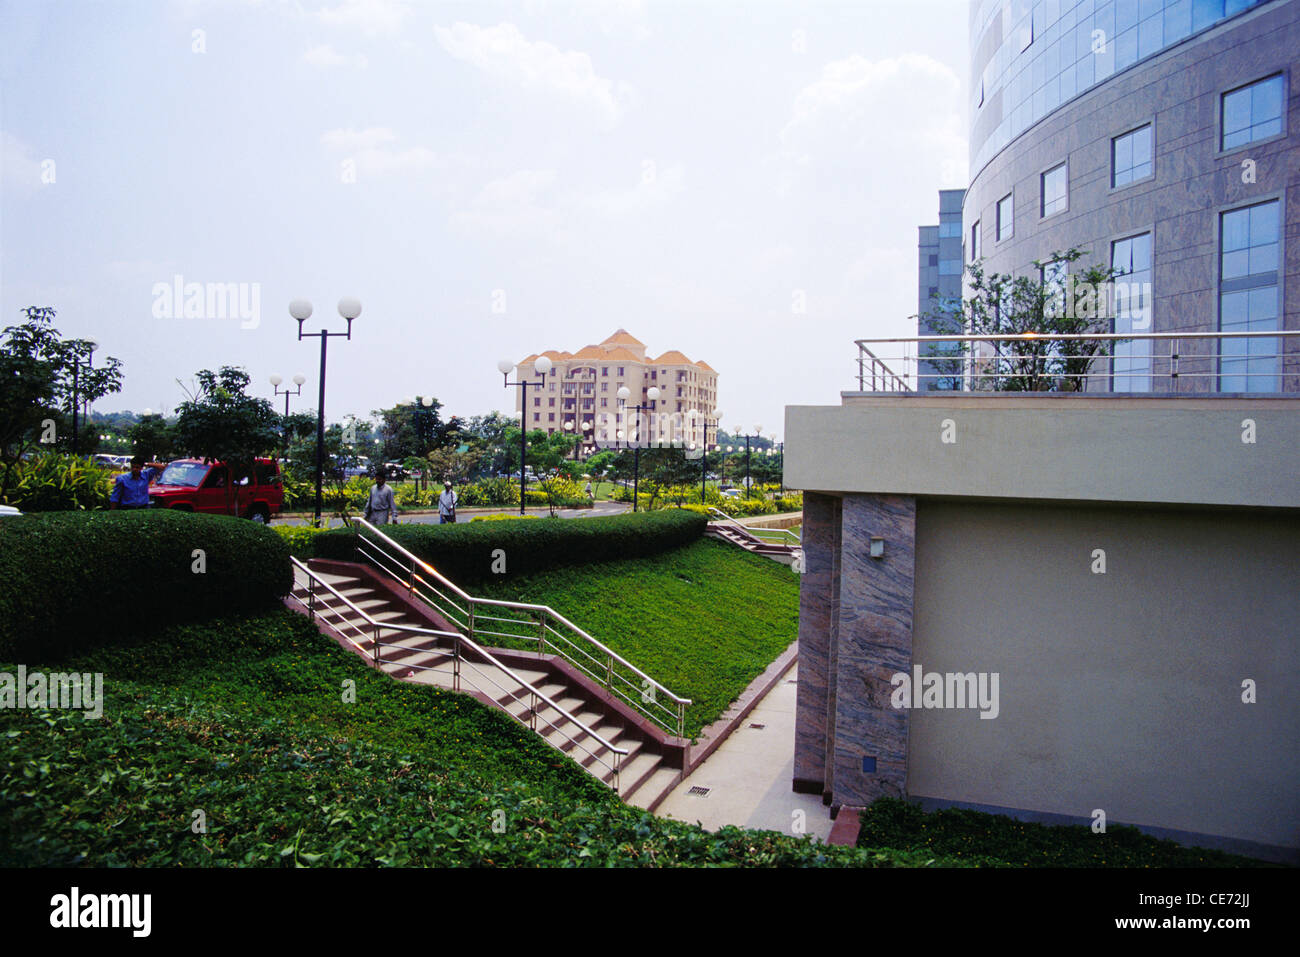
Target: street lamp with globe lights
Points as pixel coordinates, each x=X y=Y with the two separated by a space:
x=300 y=309
x=298 y=380
x=635 y=435
x=542 y=366
x=704 y=453
x=758 y=430
x=90 y=346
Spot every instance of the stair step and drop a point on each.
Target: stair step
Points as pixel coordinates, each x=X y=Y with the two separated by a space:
x=659 y=783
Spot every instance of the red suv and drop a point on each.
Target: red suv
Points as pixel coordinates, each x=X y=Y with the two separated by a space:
x=193 y=485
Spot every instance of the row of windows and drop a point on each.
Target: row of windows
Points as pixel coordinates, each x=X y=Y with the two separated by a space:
x=1249 y=114
x=1061 y=48
x=1249 y=301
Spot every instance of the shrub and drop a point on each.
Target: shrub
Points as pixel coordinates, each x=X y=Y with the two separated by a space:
x=463 y=551
x=299 y=538
x=790 y=503
x=58 y=483
x=69 y=580
x=489 y=491
x=500 y=517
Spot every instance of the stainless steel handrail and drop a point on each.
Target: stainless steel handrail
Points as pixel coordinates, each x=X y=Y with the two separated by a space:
x=749 y=532
x=477 y=649
x=606 y=654
x=969 y=365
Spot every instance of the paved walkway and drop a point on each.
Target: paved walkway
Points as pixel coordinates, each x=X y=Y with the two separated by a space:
x=749 y=776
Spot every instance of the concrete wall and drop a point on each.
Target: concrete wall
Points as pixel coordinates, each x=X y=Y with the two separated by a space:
x=1123 y=690
x=1104 y=449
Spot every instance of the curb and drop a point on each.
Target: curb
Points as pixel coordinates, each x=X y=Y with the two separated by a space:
x=713 y=735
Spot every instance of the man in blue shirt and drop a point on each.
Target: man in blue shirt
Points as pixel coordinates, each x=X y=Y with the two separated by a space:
x=132 y=491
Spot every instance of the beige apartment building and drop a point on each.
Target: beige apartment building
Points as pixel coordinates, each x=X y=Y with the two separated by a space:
x=580 y=395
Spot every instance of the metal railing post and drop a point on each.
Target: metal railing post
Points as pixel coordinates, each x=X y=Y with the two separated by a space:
x=470 y=625
x=455 y=663
x=609 y=673
x=377 y=656
x=541 y=634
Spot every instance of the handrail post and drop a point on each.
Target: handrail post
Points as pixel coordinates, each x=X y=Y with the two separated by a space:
x=609 y=673
x=541 y=633
x=455 y=663
x=532 y=707
x=375 y=648
x=311 y=596
x=470 y=625
x=681 y=720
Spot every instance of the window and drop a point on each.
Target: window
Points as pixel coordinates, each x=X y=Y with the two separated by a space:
x=551 y=402
x=950 y=229
x=620 y=370
x=1249 y=240
x=1055 y=191
x=1131 y=258
x=1130 y=156
x=933 y=292
x=604 y=403
x=604 y=387
x=537 y=401
x=1252 y=112
x=950 y=267
x=934 y=259
x=604 y=370
x=537 y=416
x=975 y=241
x=1053 y=277
x=1005 y=222
x=551 y=417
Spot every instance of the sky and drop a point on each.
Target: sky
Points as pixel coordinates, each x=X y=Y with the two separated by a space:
x=740 y=181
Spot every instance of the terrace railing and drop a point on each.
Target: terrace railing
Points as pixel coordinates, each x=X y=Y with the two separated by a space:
x=1248 y=361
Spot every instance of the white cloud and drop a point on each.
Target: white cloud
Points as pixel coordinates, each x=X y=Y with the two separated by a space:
x=374 y=152
x=655 y=187
x=908 y=105
x=371 y=17
x=512 y=206
x=505 y=54
x=325 y=56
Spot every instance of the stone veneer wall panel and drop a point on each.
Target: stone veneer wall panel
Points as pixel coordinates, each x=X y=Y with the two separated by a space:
x=874 y=641
x=818 y=589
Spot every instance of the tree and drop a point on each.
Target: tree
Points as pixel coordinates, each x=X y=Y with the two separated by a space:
x=222 y=423
x=153 y=438
x=450 y=465
x=36 y=393
x=1003 y=305
x=414 y=430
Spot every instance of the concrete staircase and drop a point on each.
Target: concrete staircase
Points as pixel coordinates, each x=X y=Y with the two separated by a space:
x=578 y=715
x=737 y=534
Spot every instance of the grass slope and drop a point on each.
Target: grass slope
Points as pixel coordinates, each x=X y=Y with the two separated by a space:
x=245 y=721
x=704 y=620
x=995 y=840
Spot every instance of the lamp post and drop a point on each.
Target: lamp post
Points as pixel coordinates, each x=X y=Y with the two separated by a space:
x=416 y=404
x=542 y=366
x=624 y=393
x=758 y=430
x=704 y=454
x=91 y=346
x=275 y=384
x=300 y=309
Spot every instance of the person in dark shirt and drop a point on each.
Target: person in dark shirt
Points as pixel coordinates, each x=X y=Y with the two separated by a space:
x=132 y=491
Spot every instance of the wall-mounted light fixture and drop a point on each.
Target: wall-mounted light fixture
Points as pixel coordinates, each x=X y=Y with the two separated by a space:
x=877 y=547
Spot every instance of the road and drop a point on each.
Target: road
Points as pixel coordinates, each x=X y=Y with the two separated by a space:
x=431 y=517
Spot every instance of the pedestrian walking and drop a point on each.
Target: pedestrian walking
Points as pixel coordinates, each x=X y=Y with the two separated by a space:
x=446 y=505
x=381 y=506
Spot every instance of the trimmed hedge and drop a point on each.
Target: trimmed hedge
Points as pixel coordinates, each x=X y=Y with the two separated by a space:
x=463 y=551
x=69 y=581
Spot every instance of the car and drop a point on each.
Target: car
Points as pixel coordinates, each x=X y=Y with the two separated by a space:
x=732 y=493
x=8 y=511
x=192 y=485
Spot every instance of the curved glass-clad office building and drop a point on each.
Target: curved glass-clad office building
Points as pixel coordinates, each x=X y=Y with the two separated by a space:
x=1159 y=136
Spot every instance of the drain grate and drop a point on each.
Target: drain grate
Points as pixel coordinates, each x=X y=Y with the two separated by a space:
x=699 y=791
x=758 y=727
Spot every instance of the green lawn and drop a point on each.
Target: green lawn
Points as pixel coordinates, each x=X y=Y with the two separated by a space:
x=245 y=721
x=704 y=620
x=995 y=840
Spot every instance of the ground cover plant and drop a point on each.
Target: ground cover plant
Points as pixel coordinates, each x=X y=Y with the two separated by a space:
x=704 y=620
x=245 y=720
x=999 y=841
